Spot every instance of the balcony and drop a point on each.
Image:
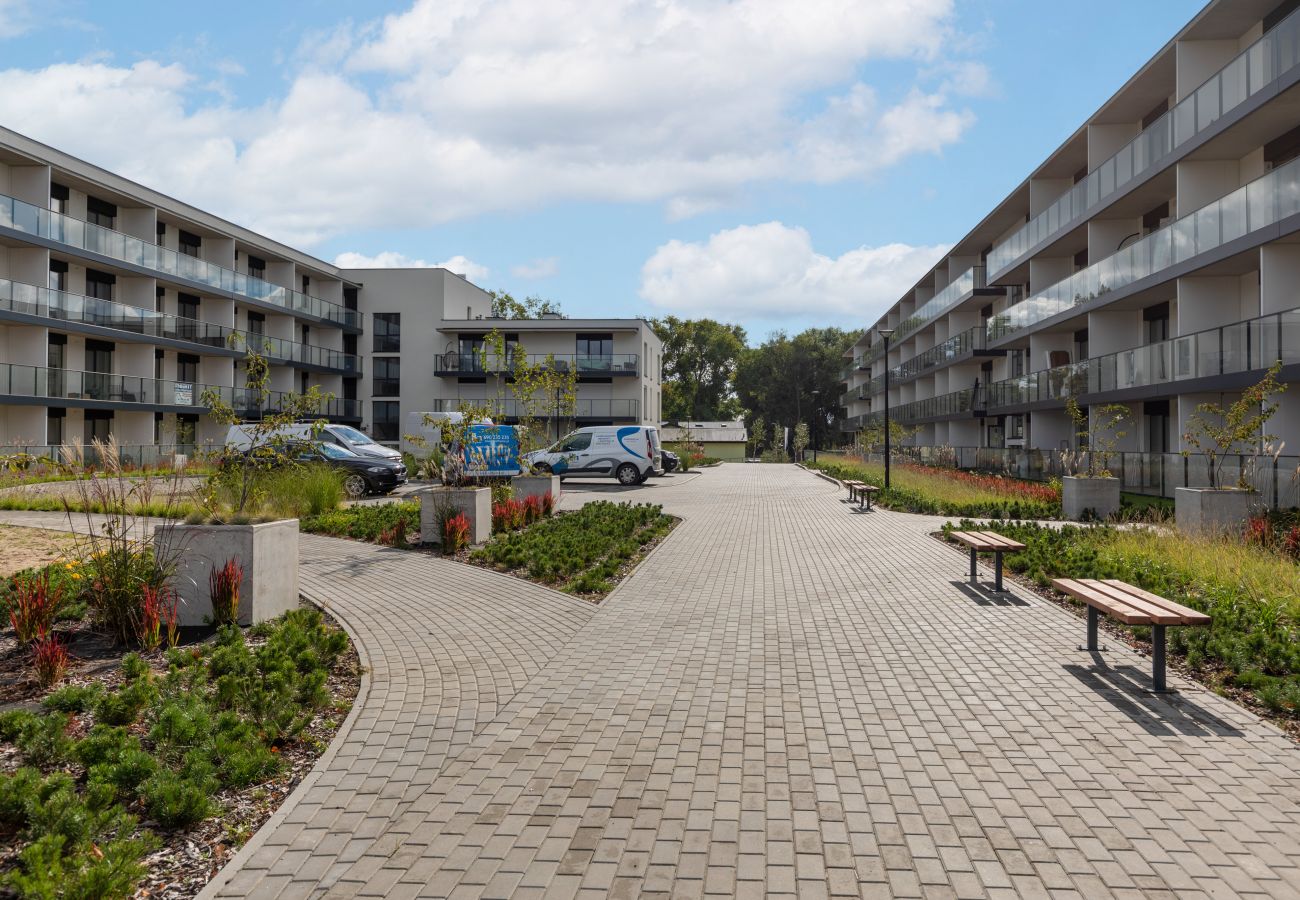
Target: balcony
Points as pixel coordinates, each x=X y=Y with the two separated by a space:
x=473 y=364
x=334 y=409
x=1249 y=346
x=1257 y=67
x=943 y=406
x=59 y=306
x=624 y=410
x=1247 y=210
x=961 y=287
x=969 y=344
x=61 y=229
x=74 y=388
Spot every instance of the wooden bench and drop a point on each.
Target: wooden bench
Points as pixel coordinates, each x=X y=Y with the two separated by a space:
x=1132 y=606
x=987 y=542
x=862 y=492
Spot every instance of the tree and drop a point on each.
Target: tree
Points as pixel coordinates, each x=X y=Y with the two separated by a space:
x=699 y=368
x=1217 y=432
x=506 y=306
x=1097 y=431
x=800 y=439
x=776 y=380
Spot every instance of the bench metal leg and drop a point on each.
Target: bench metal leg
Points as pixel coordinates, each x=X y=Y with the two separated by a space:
x=862 y=498
x=1094 y=618
x=868 y=495
x=974 y=575
x=1158 y=657
x=997 y=571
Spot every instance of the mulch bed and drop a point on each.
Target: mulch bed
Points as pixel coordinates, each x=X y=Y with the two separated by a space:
x=1121 y=634
x=189 y=857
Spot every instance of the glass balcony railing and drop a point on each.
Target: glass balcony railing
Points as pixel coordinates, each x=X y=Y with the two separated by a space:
x=507 y=408
x=61 y=306
x=1257 y=205
x=1251 y=345
x=953 y=404
x=52 y=226
x=475 y=364
x=66 y=384
x=940 y=303
x=938 y=356
x=1259 y=65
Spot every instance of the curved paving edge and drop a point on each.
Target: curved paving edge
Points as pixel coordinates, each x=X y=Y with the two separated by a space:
x=235 y=863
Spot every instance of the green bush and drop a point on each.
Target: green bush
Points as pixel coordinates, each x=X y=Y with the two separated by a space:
x=17 y=794
x=123 y=706
x=384 y=523
x=51 y=868
x=578 y=552
x=73 y=698
x=44 y=740
x=175 y=801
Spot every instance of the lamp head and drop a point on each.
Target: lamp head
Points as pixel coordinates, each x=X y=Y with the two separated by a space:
x=885 y=333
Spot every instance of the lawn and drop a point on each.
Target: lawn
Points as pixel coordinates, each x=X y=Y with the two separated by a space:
x=1252 y=649
x=950 y=492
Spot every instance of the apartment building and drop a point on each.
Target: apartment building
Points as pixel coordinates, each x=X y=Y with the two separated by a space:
x=120 y=307
x=1153 y=260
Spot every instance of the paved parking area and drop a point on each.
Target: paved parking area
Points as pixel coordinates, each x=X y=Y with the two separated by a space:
x=788 y=698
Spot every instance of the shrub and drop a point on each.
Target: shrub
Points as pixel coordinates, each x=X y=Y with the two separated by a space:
x=118 y=574
x=548 y=504
x=387 y=523
x=175 y=801
x=73 y=698
x=43 y=740
x=34 y=602
x=951 y=492
x=158 y=608
x=455 y=533
x=49 y=659
x=223 y=589
x=107 y=870
x=17 y=794
x=532 y=509
x=123 y=706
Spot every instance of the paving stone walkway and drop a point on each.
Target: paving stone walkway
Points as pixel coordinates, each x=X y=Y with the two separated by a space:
x=789 y=697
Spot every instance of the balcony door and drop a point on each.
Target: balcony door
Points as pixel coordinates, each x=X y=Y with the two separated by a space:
x=99 y=367
x=595 y=353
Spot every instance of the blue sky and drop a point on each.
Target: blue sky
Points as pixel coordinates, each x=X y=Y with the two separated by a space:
x=776 y=164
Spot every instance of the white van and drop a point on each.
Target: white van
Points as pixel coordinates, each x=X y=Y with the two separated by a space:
x=630 y=453
x=343 y=436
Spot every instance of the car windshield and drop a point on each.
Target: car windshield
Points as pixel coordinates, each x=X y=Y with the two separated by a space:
x=351 y=435
x=334 y=451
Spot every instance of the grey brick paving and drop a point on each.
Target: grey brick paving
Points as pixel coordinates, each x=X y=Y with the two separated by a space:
x=789 y=698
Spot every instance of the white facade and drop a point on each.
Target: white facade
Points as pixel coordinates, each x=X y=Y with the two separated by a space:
x=120 y=306
x=1150 y=261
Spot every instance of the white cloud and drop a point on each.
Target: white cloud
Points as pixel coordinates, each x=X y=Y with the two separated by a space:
x=389 y=259
x=771 y=272
x=545 y=267
x=456 y=108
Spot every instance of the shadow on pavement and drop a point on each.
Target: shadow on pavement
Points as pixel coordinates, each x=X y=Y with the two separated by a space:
x=984 y=595
x=1128 y=688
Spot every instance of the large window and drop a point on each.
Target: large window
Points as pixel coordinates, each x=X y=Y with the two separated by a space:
x=257 y=267
x=99 y=425
x=387 y=377
x=58 y=198
x=58 y=275
x=386 y=426
x=54 y=421
x=187 y=308
x=101 y=212
x=595 y=345
x=388 y=332
x=190 y=244
x=187 y=369
x=100 y=284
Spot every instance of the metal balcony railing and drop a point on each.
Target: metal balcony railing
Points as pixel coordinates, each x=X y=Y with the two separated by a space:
x=617 y=364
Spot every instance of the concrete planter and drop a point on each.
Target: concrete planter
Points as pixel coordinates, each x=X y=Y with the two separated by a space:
x=267 y=552
x=526 y=486
x=1211 y=511
x=1095 y=498
x=475 y=503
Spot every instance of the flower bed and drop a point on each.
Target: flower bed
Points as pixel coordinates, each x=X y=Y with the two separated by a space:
x=582 y=552
x=950 y=492
x=391 y=524
x=152 y=774
x=1251 y=650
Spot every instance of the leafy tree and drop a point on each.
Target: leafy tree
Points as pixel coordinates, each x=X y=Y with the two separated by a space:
x=1217 y=432
x=699 y=368
x=1096 y=430
x=776 y=380
x=532 y=307
x=800 y=440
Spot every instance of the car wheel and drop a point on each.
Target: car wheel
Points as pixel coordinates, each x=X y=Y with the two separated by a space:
x=355 y=486
x=542 y=469
x=628 y=475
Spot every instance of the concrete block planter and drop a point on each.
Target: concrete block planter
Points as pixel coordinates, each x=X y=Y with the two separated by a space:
x=1211 y=511
x=1080 y=495
x=526 y=486
x=268 y=553
x=475 y=503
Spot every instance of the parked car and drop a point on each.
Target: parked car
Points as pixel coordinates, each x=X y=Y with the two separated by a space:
x=630 y=453
x=345 y=436
x=671 y=460
x=361 y=475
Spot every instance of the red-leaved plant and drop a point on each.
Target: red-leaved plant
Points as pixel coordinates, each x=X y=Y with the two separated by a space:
x=455 y=533
x=158 y=607
x=49 y=659
x=548 y=504
x=1259 y=531
x=223 y=588
x=532 y=509
x=33 y=606
x=1291 y=542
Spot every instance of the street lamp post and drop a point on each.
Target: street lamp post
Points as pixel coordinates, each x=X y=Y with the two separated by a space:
x=816 y=413
x=886 y=334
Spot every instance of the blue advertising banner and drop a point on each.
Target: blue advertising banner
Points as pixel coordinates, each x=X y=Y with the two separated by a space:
x=491 y=451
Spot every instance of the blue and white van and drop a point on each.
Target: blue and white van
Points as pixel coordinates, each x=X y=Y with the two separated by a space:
x=630 y=453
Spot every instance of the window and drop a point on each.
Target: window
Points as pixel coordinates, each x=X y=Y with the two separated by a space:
x=576 y=442
x=158 y=357
x=349 y=389
x=187 y=368
x=303 y=385
x=99 y=424
x=57 y=355
x=190 y=243
x=160 y=233
x=54 y=420
x=306 y=284
x=257 y=267
x=388 y=382
x=58 y=198
x=256 y=324
x=349 y=298
x=386 y=421
x=101 y=212
x=100 y=284
x=99 y=356
x=58 y=275
x=388 y=332
x=471 y=352
x=187 y=308
x=596 y=345
x=350 y=344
